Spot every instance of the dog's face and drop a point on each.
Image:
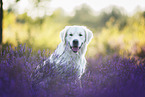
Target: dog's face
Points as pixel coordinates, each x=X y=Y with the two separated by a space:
x=76 y=36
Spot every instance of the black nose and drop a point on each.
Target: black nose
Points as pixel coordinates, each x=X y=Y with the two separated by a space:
x=75 y=42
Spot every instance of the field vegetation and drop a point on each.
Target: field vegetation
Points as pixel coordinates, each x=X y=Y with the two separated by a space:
x=115 y=56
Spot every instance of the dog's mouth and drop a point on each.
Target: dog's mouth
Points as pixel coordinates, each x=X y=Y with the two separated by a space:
x=75 y=49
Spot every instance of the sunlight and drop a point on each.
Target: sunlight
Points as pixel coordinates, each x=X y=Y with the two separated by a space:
x=109 y=22
x=115 y=56
x=47 y=7
x=70 y=5
x=7 y=3
x=30 y=7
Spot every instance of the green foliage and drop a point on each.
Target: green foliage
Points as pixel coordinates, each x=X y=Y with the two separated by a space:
x=114 y=31
x=129 y=39
x=83 y=16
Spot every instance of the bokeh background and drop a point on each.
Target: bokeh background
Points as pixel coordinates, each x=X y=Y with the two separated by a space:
x=118 y=25
x=115 y=56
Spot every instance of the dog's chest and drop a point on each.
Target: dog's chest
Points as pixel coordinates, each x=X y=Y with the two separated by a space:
x=69 y=66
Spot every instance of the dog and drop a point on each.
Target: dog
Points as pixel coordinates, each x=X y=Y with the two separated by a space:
x=68 y=60
x=69 y=57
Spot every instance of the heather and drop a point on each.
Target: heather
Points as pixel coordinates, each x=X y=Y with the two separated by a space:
x=106 y=76
x=115 y=56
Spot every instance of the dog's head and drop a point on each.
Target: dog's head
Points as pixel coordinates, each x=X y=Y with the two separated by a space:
x=75 y=37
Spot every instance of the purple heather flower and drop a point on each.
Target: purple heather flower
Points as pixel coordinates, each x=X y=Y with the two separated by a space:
x=108 y=76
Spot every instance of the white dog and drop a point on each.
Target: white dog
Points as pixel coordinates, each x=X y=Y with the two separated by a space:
x=69 y=57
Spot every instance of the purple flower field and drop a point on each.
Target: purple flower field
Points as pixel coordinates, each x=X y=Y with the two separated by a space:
x=106 y=76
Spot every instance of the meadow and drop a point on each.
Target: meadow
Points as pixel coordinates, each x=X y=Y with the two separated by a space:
x=106 y=76
x=115 y=56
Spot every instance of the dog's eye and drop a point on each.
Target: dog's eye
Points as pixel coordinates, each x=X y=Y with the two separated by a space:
x=70 y=34
x=80 y=35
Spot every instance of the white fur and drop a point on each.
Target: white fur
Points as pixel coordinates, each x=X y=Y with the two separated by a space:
x=65 y=57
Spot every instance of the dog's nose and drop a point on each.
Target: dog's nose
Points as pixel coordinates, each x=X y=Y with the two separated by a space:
x=75 y=42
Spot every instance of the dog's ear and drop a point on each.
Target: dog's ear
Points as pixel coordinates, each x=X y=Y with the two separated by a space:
x=89 y=35
x=63 y=33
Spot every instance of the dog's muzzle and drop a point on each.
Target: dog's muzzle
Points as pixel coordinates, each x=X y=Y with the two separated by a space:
x=75 y=48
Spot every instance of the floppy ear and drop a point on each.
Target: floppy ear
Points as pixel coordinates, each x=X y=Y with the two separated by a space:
x=63 y=33
x=89 y=35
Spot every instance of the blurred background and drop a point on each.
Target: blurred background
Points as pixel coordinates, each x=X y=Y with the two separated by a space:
x=118 y=25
